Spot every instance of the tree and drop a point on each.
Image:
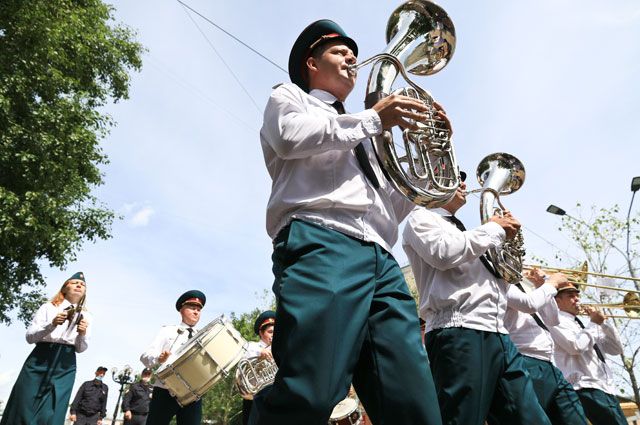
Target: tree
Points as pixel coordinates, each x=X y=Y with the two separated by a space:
x=61 y=61
x=598 y=233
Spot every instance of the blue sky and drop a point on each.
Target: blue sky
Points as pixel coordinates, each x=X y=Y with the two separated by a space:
x=553 y=82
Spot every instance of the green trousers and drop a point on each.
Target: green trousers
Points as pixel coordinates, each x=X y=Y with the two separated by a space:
x=556 y=396
x=344 y=314
x=601 y=408
x=42 y=391
x=481 y=376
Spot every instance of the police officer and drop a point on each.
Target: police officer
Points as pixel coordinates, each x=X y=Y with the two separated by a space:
x=135 y=403
x=90 y=403
x=163 y=406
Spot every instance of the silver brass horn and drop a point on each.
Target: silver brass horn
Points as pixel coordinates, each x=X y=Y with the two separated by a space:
x=421 y=40
x=253 y=374
x=501 y=174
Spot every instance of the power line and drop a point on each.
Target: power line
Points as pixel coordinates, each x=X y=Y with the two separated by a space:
x=233 y=36
x=222 y=59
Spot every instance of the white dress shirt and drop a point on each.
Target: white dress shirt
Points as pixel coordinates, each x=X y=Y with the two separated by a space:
x=456 y=290
x=575 y=355
x=308 y=151
x=254 y=349
x=170 y=338
x=531 y=339
x=43 y=330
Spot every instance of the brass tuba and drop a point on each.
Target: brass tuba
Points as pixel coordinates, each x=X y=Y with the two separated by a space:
x=421 y=40
x=501 y=174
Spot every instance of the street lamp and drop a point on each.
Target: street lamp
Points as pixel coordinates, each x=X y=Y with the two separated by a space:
x=122 y=377
x=635 y=185
x=553 y=209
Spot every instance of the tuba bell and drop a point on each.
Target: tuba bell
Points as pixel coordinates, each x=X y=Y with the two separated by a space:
x=421 y=40
x=253 y=374
x=501 y=174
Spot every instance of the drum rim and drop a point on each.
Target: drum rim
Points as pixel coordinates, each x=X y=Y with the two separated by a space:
x=356 y=406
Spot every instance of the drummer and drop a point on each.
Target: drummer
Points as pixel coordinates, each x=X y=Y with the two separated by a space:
x=263 y=328
x=163 y=406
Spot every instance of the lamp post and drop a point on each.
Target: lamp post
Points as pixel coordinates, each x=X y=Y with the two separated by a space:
x=122 y=377
x=635 y=185
x=553 y=209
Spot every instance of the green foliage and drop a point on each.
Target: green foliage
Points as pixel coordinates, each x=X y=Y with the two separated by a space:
x=598 y=233
x=61 y=61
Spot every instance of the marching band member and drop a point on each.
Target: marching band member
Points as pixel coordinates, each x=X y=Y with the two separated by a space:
x=163 y=406
x=90 y=403
x=343 y=308
x=580 y=355
x=528 y=319
x=477 y=370
x=263 y=327
x=42 y=391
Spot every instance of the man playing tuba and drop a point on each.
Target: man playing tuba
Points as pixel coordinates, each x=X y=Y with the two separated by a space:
x=478 y=372
x=343 y=308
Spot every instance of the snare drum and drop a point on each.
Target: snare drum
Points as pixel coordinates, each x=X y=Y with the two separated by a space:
x=347 y=412
x=201 y=362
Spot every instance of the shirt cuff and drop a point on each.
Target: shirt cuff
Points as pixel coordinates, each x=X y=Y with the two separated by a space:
x=495 y=231
x=370 y=122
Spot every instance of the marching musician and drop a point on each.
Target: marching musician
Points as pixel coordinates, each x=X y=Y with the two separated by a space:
x=477 y=370
x=581 y=356
x=135 y=403
x=263 y=328
x=90 y=403
x=528 y=319
x=343 y=308
x=60 y=329
x=163 y=406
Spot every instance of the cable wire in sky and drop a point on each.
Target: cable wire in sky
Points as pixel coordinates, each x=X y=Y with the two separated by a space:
x=222 y=59
x=233 y=36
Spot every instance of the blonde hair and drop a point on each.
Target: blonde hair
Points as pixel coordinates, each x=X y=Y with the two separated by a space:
x=59 y=297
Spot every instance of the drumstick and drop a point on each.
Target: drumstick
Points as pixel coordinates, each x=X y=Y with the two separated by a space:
x=180 y=332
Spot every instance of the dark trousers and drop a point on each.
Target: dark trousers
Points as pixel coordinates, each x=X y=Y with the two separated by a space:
x=164 y=407
x=86 y=419
x=480 y=375
x=246 y=411
x=601 y=408
x=556 y=396
x=136 y=419
x=41 y=394
x=344 y=314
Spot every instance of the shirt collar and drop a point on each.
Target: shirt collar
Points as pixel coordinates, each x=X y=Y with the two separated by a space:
x=566 y=314
x=324 y=96
x=441 y=211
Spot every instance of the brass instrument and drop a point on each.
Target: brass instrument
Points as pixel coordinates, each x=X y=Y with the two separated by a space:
x=421 y=40
x=630 y=304
x=253 y=374
x=577 y=277
x=501 y=174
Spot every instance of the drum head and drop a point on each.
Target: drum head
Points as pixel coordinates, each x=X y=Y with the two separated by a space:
x=344 y=409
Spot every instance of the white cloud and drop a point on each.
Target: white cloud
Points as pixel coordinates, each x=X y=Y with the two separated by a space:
x=141 y=217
